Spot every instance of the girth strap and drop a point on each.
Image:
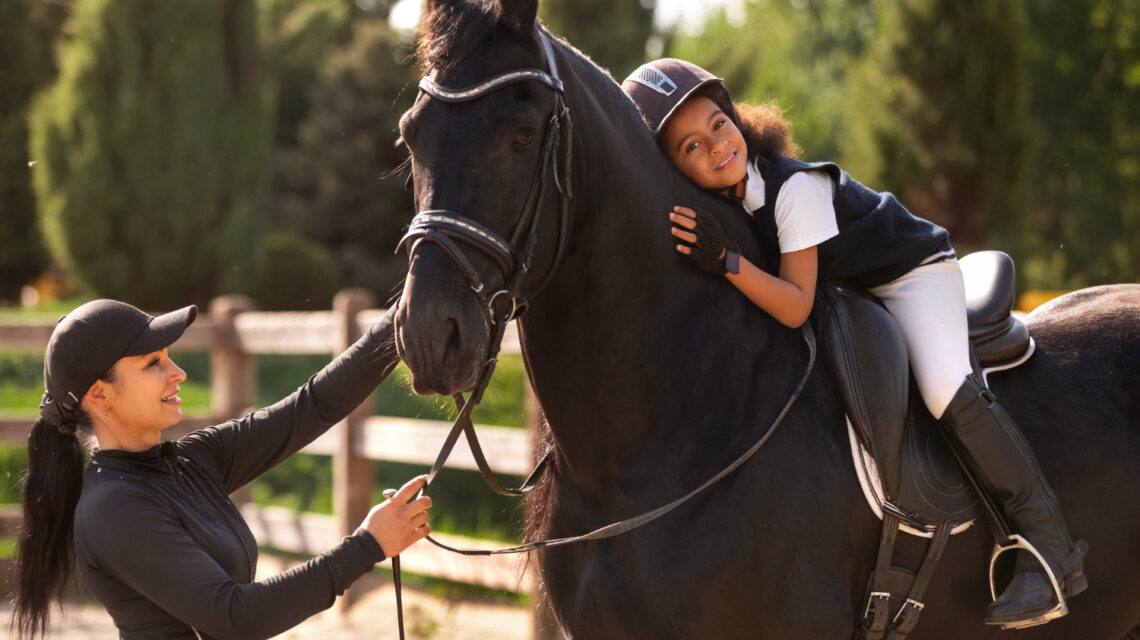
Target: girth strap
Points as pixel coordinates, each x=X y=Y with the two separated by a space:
x=877 y=623
x=877 y=611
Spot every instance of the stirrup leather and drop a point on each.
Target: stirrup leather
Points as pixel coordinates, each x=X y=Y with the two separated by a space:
x=1060 y=609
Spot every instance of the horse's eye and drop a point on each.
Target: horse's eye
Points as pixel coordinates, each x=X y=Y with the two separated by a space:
x=524 y=137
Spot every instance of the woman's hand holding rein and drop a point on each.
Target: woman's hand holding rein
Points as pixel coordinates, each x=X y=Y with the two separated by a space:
x=400 y=521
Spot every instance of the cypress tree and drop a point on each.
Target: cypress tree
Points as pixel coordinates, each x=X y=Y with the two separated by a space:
x=155 y=145
x=341 y=185
x=941 y=102
x=27 y=33
x=1083 y=71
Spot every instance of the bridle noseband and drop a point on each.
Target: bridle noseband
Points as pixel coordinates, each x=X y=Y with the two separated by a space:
x=514 y=256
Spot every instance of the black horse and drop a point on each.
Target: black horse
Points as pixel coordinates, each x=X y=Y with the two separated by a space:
x=654 y=376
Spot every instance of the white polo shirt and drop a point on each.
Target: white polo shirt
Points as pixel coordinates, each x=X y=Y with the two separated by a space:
x=805 y=214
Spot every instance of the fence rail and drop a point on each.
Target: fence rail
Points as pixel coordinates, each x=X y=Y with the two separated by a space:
x=233 y=333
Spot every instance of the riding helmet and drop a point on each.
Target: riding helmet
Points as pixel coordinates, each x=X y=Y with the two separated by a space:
x=660 y=87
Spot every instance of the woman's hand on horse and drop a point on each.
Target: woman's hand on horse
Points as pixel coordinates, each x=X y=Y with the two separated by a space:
x=701 y=238
x=400 y=521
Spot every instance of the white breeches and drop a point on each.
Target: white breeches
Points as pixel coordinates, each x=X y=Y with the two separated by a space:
x=929 y=303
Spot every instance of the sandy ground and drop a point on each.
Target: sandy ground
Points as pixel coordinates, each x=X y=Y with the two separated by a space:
x=372 y=616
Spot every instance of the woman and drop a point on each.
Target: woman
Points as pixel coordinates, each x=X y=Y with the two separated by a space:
x=829 y=227
x=149 y=523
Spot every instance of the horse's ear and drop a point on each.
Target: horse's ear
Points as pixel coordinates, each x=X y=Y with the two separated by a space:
x=519 y=15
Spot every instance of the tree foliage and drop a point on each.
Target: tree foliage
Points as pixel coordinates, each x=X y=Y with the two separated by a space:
x=155 y=144
x=793 y=54
x=27 y=31
x=1082 y=226
x=941 y=95
x=339 y=185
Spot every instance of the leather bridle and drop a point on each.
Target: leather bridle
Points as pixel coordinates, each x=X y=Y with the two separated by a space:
x=515 y=255
x=446 y=228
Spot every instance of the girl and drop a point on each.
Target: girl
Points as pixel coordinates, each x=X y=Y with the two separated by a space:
x=831 y=228
x=155 y=535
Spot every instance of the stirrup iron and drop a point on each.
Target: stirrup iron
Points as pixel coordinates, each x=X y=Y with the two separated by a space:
x=1060 y=609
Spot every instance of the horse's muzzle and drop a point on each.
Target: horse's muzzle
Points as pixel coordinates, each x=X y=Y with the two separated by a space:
x=440 y=334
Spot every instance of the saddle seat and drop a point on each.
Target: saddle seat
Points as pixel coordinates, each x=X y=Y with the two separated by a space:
x=902 y=455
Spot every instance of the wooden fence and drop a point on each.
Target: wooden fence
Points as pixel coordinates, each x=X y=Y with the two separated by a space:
x=233 y=333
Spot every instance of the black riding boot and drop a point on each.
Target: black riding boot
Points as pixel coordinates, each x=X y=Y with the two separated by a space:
x=991 y=445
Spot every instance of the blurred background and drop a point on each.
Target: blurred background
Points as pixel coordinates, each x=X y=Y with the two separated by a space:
x=165 y=153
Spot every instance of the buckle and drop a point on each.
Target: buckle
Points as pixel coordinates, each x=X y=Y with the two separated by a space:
x=876 y=612
x=907 y=616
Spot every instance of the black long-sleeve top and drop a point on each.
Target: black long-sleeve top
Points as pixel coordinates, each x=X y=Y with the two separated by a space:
x=160 y=544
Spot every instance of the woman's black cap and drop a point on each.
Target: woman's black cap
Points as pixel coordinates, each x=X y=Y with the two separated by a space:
x=88 y=341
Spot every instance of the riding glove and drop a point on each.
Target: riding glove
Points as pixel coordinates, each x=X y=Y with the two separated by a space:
x=711 y=243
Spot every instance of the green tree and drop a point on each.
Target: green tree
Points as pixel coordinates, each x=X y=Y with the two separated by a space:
x=941 y=103
x=155 y=145
x=616 y=42
x=1083 y=220
x=340 y=184
x=793 y=53
x=27 y=33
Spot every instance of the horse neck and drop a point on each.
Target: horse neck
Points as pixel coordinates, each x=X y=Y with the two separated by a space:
x=631 y=347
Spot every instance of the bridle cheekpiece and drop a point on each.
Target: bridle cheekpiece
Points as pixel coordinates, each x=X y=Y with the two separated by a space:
x=514 y=255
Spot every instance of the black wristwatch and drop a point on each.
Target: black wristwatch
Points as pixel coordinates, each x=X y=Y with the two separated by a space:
x=731 y=261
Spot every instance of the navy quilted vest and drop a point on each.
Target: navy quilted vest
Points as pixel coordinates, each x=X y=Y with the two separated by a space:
x=878 y=241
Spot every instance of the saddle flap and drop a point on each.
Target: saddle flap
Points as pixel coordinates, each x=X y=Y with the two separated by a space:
x=868 y=357
x=933 y=488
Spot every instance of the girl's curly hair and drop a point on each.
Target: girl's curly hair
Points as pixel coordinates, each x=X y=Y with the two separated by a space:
x=765 y=129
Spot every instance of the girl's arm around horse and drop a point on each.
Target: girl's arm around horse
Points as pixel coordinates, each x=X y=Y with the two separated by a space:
x=788 y=298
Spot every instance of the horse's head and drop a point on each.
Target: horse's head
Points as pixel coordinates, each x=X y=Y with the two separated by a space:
x=489 y=139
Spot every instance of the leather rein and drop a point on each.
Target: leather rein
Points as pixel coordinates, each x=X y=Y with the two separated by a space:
x=500 y=307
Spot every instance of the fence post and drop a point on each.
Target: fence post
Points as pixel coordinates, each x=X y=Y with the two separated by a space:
x=352 y=472
x=233 y=377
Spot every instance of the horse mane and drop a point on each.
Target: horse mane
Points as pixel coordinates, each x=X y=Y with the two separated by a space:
x=457 y=31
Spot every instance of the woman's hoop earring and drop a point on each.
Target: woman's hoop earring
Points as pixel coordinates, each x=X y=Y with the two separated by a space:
x=105 y=412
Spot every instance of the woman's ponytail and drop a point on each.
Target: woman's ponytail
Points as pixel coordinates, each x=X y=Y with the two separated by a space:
x=46 y=556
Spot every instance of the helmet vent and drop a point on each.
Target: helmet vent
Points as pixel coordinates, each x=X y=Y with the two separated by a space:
x=649 y=76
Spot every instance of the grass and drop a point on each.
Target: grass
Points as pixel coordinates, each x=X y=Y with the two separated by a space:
x=7 y=548
x=49 y=311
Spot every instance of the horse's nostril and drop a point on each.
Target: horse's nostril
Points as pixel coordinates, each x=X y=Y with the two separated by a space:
x=454 y=340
